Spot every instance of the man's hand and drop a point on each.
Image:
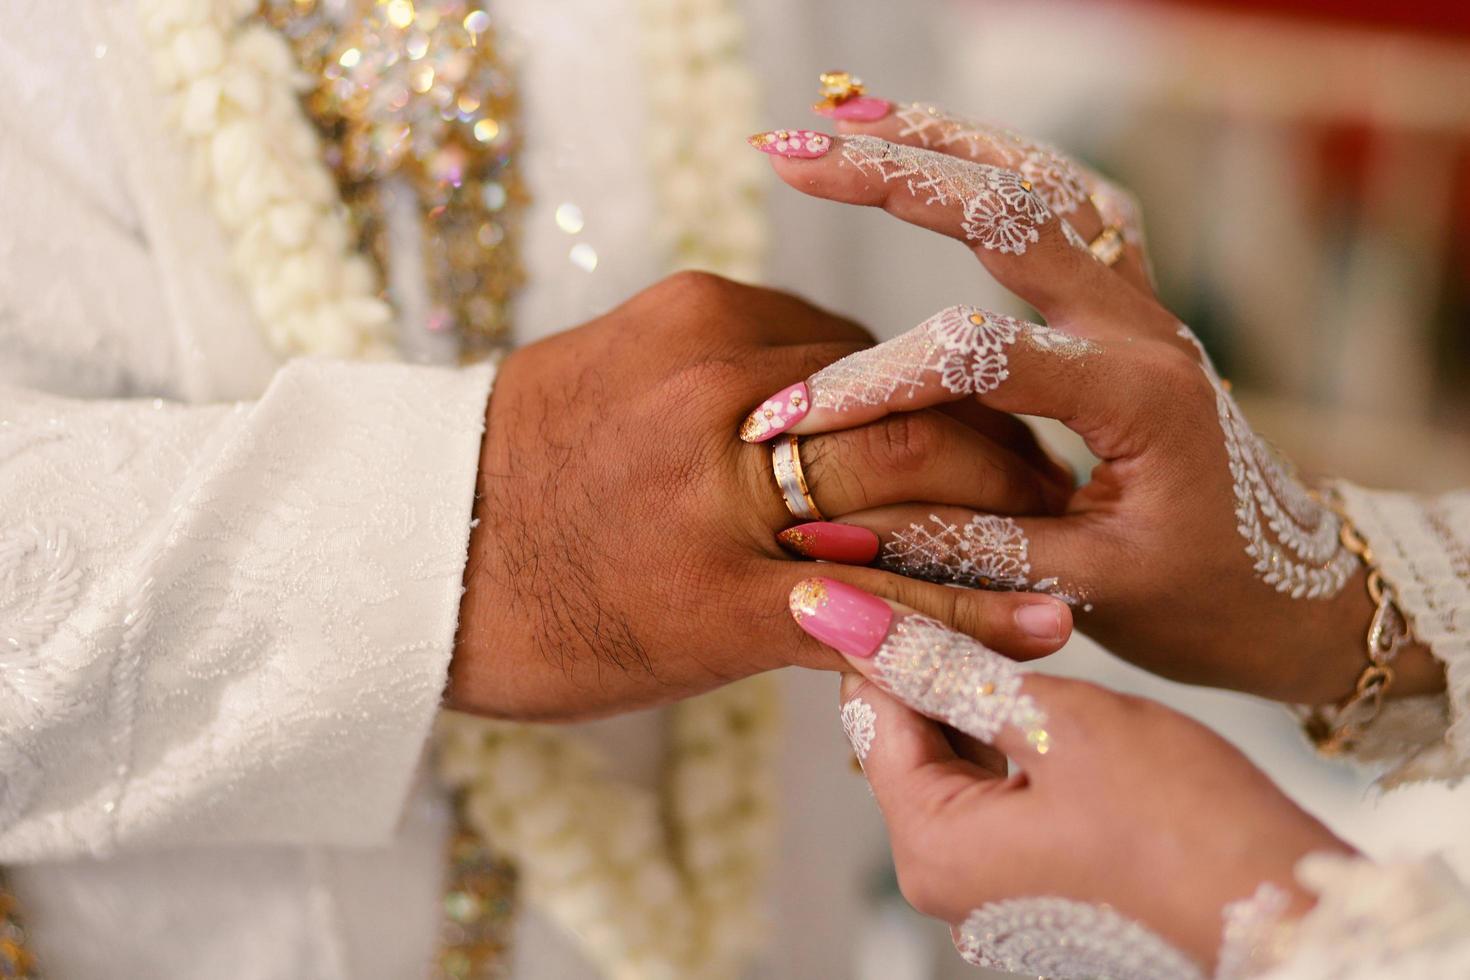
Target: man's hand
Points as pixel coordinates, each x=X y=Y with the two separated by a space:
x=624 y=553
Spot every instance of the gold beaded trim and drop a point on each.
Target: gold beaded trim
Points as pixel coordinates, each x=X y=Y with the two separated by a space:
x=16 y=960
x=417 y=96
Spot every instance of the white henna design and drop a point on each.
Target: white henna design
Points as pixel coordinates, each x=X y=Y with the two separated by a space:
x=989 y=552
x=1058 y=182
x=1064 y=939
x=1001 y=210
x=963 y=345
x=1303 y=554
x=860 y=722
x=957 y=679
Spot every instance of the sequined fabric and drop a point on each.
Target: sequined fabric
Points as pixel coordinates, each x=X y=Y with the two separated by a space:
x=416 y=98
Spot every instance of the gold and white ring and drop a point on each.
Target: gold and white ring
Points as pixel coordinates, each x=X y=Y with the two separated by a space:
x=791 y=481
x=1107 y=247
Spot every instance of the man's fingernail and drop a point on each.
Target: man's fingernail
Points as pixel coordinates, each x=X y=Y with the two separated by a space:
x=848 y=620
x=777 y=414
x=1042 y=620
x=799 y=144
x=864 y=108
x=826 y=541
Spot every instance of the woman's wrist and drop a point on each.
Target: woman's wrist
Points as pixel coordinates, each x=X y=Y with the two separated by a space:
x=1333 y=653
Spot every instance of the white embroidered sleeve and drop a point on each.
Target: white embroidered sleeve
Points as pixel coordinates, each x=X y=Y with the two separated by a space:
x=1423 y=546
x=228 y=623
x=1371 y=921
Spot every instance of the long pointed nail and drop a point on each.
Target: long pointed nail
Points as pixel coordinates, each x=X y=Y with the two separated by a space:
x=777 y=414
x=798 y=144
x=848 y=620
x=864 y=108
x=827 y=541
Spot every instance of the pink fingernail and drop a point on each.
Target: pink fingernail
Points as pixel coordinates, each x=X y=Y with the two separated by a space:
x=796 y=144
x=827 y=541
x=864 y=108
x=777 y=414
x=1042 y=620
x=849 y=620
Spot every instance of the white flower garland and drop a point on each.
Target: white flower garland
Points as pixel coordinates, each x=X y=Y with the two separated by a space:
x=710 y=187
x=651 y=885
x=236 y=89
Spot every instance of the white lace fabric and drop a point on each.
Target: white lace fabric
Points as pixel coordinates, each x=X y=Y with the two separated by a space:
x=209 y=631
x=1423 y=547
x=1400 y=919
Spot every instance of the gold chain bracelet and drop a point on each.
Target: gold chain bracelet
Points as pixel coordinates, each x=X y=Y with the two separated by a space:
x=1335 y=730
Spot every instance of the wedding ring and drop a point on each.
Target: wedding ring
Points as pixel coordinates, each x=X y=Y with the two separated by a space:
x=791 y=481
x=1107 y=247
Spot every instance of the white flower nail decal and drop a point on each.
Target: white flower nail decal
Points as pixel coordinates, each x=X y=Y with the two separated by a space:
x=989 y=552
x=1001 y=210
x=948 y=675
x=964 y=345
x=860 y=722
x=1303 y=554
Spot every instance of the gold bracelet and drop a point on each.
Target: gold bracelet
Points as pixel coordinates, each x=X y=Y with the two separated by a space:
x=1335 y=730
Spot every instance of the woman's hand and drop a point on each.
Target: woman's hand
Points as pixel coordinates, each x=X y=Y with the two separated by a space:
x=624 y=552
x=1118 y=802
x=1192 y=551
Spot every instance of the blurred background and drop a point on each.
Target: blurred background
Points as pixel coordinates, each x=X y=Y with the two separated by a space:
x=1305 y=182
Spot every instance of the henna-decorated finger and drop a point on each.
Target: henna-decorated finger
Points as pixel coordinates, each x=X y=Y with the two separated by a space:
x=956 y=546
x=1101 y=390
x=996 y=212
x=935 y=670
x=1074 y=192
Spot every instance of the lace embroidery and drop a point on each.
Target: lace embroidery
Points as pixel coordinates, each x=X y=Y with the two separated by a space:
x=963 y=345
x=1302 y=555
x=1058 y=183
x=989 y=552
x=1001 y=208
x=39 y=582
x=954 y=677
x=860 y=723
x=1065 y=940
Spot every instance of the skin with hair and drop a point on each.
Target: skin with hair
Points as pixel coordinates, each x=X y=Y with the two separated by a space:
x=624 y=552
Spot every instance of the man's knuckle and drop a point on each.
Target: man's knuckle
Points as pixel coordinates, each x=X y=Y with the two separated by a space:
x=902 y=443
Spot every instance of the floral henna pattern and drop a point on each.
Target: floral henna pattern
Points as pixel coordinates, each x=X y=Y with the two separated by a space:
x=1001 y=210
x=957 y=679
x=963 y=345
x=860 y=723
x=1292 y=537
x=1058 y=182
x=989 y=552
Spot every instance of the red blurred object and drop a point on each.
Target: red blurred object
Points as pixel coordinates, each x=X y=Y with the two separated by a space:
x=1445 y=18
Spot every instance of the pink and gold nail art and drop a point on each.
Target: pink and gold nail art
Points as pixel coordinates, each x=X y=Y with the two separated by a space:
x=794 y=144
x=846 y=619
x=843 y=98
x=777 y=414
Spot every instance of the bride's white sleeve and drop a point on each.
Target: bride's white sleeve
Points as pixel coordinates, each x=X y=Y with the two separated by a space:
x=228 y=623
x=1371 y=921
x=1423 y=547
